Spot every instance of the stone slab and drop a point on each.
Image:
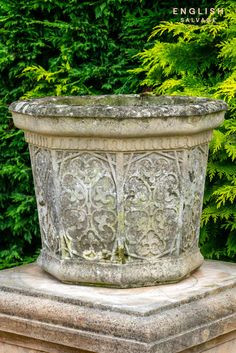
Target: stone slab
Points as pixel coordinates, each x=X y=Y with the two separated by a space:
x=12 y=343
x=222 y=344
x=9 y=348
x=171 y=318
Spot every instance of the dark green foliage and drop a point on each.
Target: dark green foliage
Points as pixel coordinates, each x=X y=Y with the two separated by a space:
x=201 y=61
x=77 y=47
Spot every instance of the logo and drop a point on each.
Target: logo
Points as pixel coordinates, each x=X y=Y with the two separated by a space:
x=197 y=15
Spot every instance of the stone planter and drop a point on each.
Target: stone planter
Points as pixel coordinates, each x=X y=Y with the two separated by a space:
x=119 y=182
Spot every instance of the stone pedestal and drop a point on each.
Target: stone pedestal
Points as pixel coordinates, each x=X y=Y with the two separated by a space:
x=40 y=314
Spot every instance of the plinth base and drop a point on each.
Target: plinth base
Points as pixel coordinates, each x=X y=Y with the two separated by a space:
x=40 y=314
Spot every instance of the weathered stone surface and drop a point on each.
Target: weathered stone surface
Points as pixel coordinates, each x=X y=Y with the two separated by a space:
x=12 y=343
x=9 y=348
x=221 y=344
x=196 y=315
x=133 y=209
x=119 y=106
x=119 y=183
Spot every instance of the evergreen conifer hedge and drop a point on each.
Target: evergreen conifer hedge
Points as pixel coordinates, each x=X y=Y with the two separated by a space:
x=57 y=47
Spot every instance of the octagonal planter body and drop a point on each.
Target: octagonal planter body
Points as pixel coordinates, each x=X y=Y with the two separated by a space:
x=119 y=182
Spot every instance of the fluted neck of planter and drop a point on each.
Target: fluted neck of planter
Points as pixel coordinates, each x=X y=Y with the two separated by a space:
x=119 y=181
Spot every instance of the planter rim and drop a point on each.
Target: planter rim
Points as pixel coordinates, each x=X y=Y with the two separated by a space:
x=118 y=106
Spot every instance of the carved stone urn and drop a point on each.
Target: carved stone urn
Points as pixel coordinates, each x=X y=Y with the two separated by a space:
x=119 y=182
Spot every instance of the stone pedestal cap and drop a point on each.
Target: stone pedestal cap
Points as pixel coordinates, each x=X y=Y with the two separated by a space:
x=172 y=318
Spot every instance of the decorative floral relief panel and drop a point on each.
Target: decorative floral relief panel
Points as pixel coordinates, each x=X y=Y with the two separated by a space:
x=119 y=207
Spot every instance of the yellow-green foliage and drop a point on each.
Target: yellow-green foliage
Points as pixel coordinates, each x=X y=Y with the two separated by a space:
x=200 y=60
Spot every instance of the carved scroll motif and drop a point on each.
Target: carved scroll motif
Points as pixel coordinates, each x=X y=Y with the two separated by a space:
x=152 y=190
x=193 y=193
x=119 y=207
x=88 y=205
